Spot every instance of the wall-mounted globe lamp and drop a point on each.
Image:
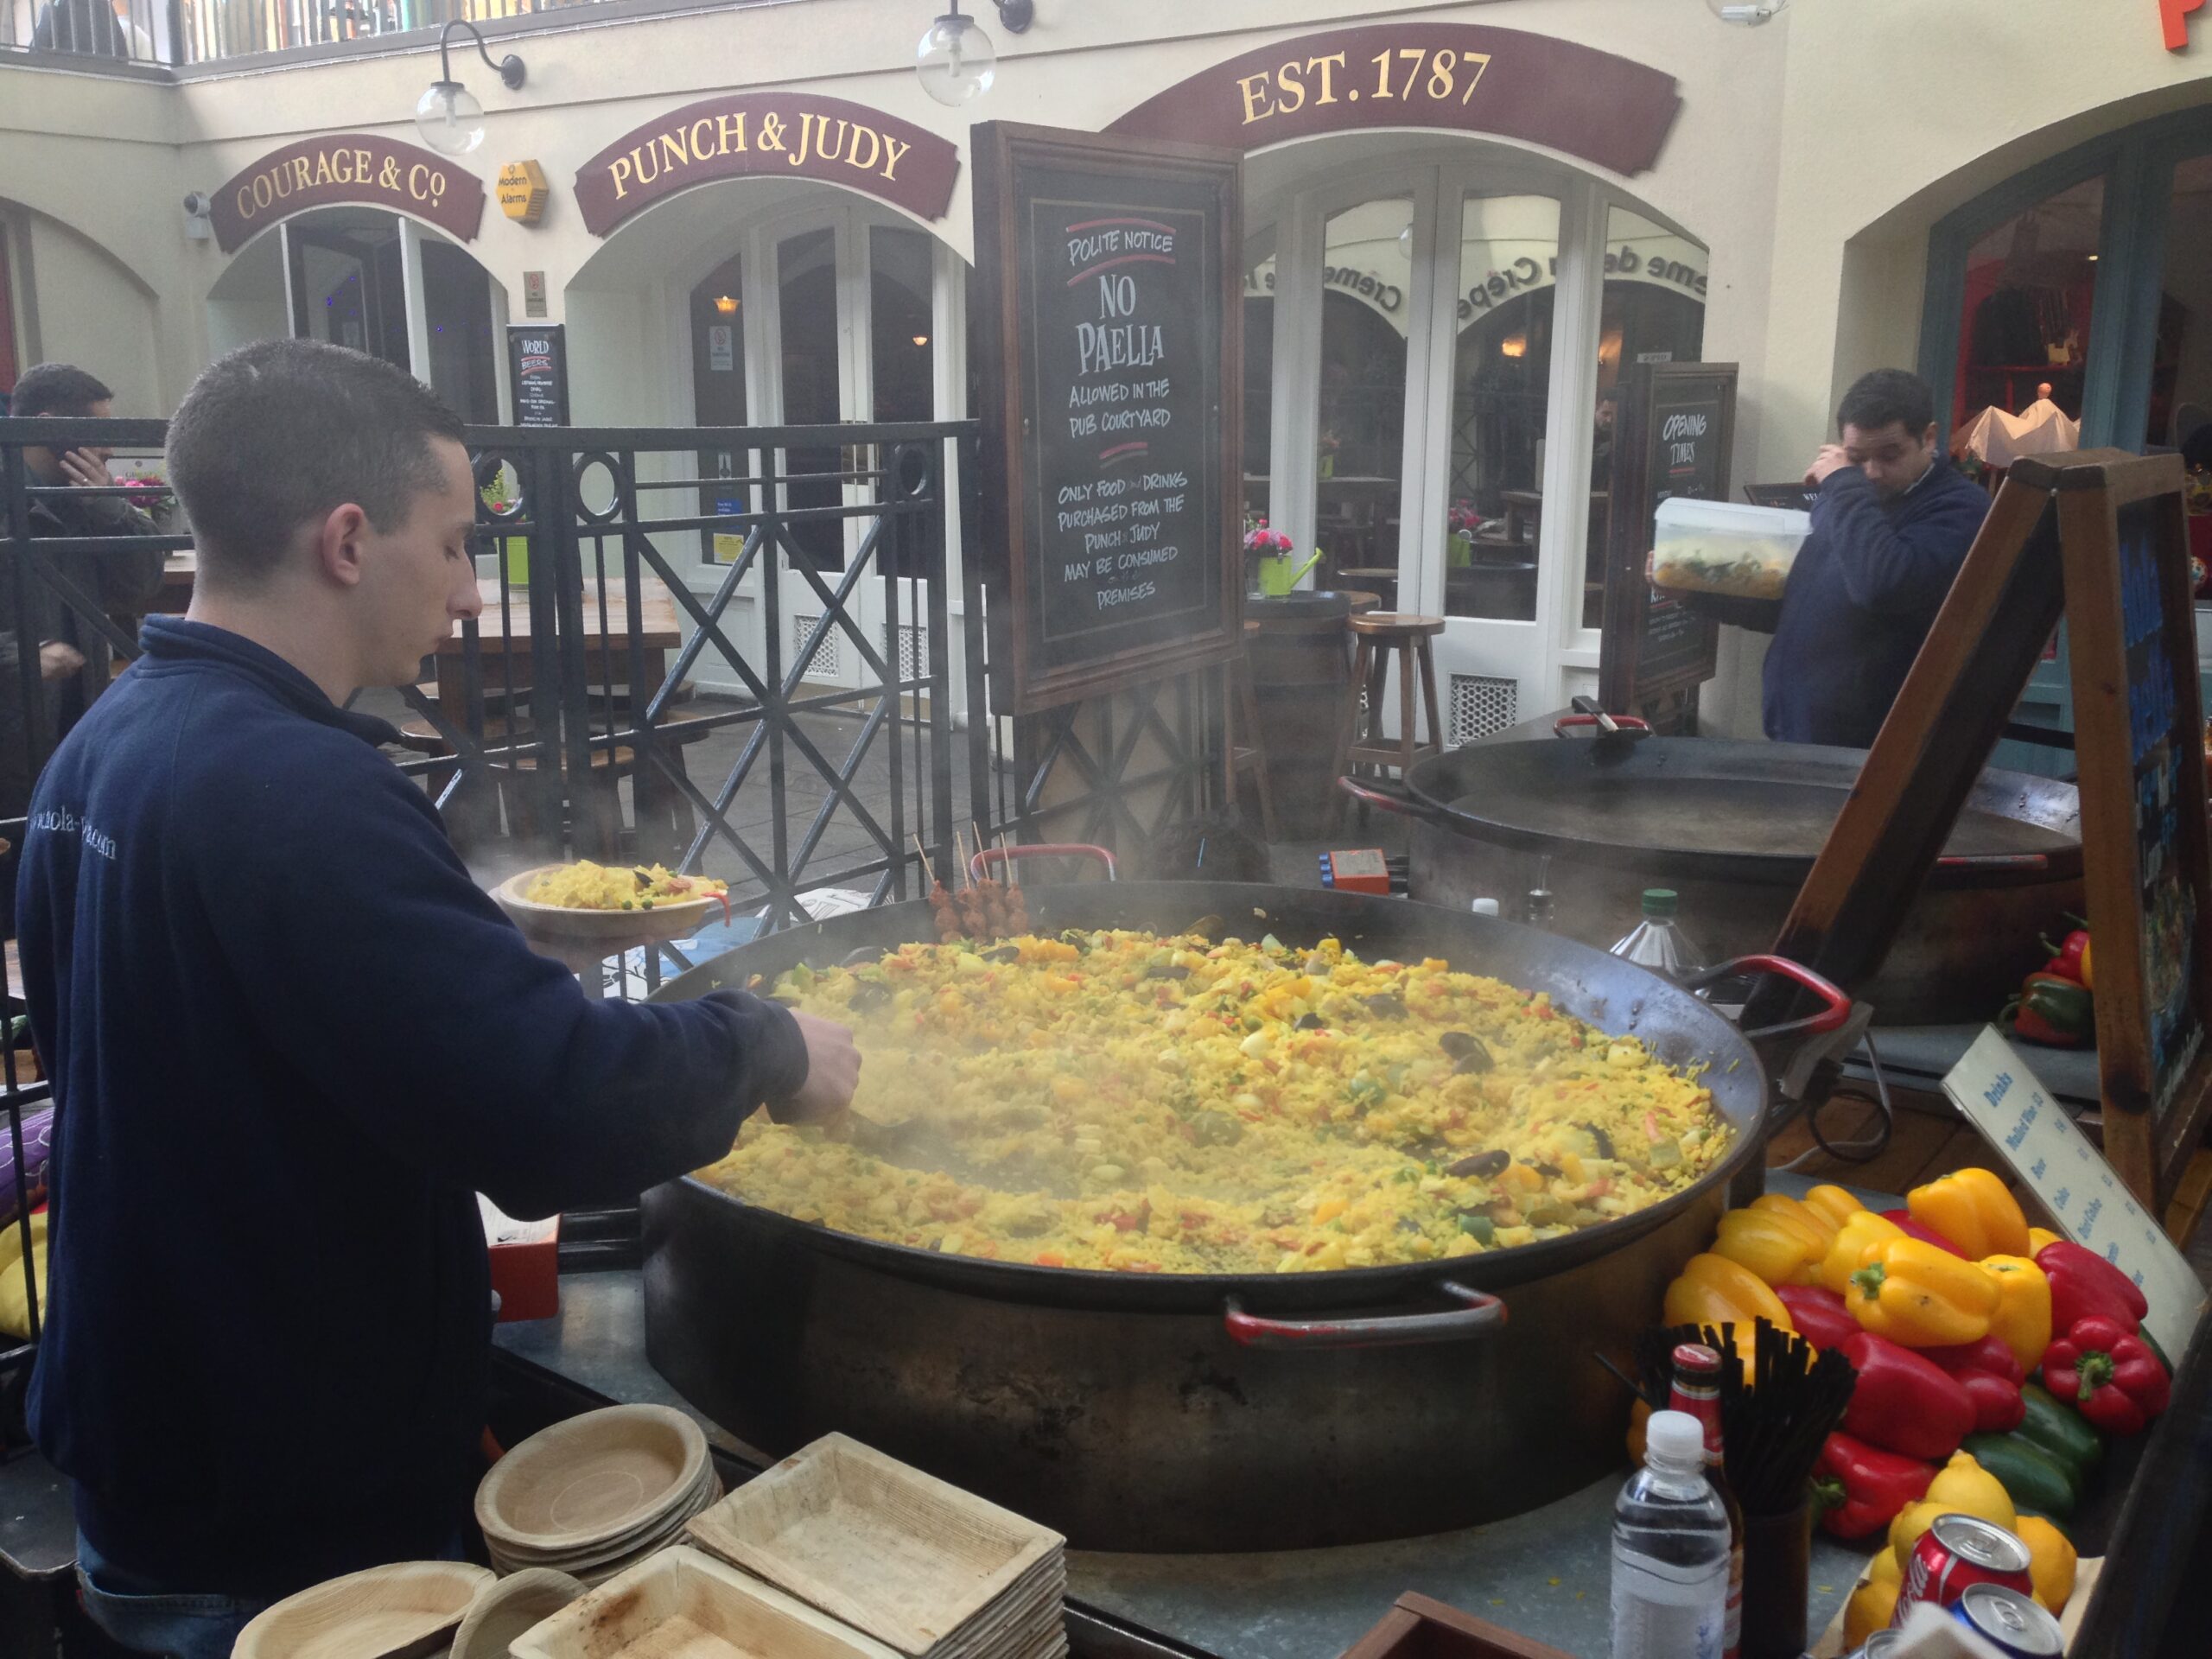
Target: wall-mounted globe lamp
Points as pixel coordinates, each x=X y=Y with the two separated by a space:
x=957 y=60
x=450 y=118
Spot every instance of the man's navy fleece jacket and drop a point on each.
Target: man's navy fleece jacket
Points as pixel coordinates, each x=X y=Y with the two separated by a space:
x=290 y=1040
x=1861 y=599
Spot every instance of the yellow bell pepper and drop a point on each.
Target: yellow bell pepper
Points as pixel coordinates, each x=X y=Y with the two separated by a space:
x=1871 y=1608
x=2022 y=1321
x=1920 y=1296
x=2039 y=1237
x=1713 y=1290
x=1856 y=1242
x=1778 y=1247
x=1962 y=1486
x=2050 y=1561
x=1838 y=1206
x=1974 y=1210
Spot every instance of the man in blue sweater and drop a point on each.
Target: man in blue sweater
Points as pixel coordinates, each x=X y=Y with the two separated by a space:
x=1891 y=529
x=290 y=1040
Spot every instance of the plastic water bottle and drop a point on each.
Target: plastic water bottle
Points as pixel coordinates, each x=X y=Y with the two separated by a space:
x=1670 y=1549
x=1658 y=943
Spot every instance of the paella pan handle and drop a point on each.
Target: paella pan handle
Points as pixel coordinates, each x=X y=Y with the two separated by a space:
x=1405 y=806
x=1835 y=1017
x=1480 y=1315
x=983 y=861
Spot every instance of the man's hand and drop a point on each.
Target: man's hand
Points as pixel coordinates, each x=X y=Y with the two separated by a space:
x=833 y=1071
x=58 y=659
x=86 y=469
x=1833 y=458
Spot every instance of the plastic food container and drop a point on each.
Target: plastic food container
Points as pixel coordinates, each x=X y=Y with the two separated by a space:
x=1718 y=547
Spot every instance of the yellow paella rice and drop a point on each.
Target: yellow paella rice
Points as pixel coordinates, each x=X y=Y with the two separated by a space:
x=1123 y=1100
x=587 y=885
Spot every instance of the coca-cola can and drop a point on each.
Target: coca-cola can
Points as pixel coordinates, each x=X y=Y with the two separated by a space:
x=2009 y=1621
x=1955 y=1553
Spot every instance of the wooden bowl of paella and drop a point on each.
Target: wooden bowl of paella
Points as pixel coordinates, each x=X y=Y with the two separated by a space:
x=612 y=905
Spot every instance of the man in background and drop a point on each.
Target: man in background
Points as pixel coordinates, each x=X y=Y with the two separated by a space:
x=73 y=659
x=1891 y=528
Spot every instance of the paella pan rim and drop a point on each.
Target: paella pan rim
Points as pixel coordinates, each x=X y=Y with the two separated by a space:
x=1439 y=786
x=1341 y=1289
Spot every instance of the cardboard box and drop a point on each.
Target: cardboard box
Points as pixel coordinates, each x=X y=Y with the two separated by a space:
x=525 y=1263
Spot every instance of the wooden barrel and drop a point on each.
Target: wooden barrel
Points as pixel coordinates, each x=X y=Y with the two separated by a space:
x=1301 y=675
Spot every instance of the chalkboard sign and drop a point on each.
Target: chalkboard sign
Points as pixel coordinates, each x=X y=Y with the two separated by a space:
x=1796 y=497
x=1672 y=437
x=1109 y=300
x=538 y=365
x=2139 y=738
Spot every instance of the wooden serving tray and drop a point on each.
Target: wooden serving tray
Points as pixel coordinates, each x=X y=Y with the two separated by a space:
x=1420 y=1627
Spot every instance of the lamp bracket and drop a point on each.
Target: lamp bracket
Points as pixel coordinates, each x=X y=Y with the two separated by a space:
x=509 y=69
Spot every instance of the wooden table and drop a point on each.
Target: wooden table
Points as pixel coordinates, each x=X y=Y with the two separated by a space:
x=504 y=642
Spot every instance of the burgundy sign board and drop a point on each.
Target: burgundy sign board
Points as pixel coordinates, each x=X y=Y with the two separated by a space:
x=769 y=135
x=347 y=167
x=1462 y=77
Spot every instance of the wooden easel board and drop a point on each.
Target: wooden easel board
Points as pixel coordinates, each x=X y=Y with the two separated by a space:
x=1673 y=435
x=2100 y=535
x=1108 y=330
x=2139 y=739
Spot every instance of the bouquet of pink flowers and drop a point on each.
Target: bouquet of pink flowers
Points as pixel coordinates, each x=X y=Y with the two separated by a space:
x=1464 y=520
x=1264 y=542
x=149 y=494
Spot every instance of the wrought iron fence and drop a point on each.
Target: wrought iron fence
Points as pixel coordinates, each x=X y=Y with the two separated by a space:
x=747 y=671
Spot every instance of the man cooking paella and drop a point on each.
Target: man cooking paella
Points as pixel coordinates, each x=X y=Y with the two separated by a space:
x=290 y=1040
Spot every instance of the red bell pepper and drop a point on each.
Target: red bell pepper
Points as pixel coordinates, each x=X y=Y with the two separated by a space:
x=1921 y=1231
x=2066 y=956
x=1822 y=1317
x=1861 y=1489
x=1990 y=1354
x=2109 y=1373
x=1905 y=1404
x=1991 y=1375
x=2083 y=1284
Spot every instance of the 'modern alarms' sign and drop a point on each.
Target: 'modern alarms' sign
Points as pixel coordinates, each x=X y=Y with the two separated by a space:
x=350 y=167
x=776 y=135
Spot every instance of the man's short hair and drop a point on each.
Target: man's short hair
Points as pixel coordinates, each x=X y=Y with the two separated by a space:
x=281 y=433
x=58 y=390
x=1886 y=395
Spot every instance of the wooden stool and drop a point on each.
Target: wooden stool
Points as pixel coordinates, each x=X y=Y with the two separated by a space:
x=1359 y=739
x=1243 y=713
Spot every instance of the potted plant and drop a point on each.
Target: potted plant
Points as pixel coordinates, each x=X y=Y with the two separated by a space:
x=1460 y=542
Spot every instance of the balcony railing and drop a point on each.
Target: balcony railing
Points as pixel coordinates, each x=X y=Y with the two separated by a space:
x=178 y=33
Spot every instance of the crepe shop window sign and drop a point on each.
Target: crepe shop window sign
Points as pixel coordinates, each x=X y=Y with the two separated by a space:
x=2173 y=19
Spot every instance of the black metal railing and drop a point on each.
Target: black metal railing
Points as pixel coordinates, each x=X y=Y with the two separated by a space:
x=747 y=672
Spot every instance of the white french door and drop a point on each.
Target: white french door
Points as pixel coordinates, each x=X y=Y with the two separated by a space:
x=836 y=318
x=1435 y=356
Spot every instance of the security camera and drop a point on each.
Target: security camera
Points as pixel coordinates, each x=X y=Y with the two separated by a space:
x=196 y=206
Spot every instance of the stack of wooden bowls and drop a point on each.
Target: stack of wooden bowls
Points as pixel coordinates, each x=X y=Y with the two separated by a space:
x=595 y=1494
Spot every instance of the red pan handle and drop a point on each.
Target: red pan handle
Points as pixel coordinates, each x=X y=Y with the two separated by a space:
x=1482 y=1315
x=1835 y=1017
x=1403 y=805
x=990 y=856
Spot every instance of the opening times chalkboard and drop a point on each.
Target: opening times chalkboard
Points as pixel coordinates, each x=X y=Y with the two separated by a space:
x=1674 y=433
x=538 y=369
x=1108 y=330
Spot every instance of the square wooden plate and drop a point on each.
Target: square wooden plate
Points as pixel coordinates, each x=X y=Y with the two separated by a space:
x=681 y=1605
x=889 y=1550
